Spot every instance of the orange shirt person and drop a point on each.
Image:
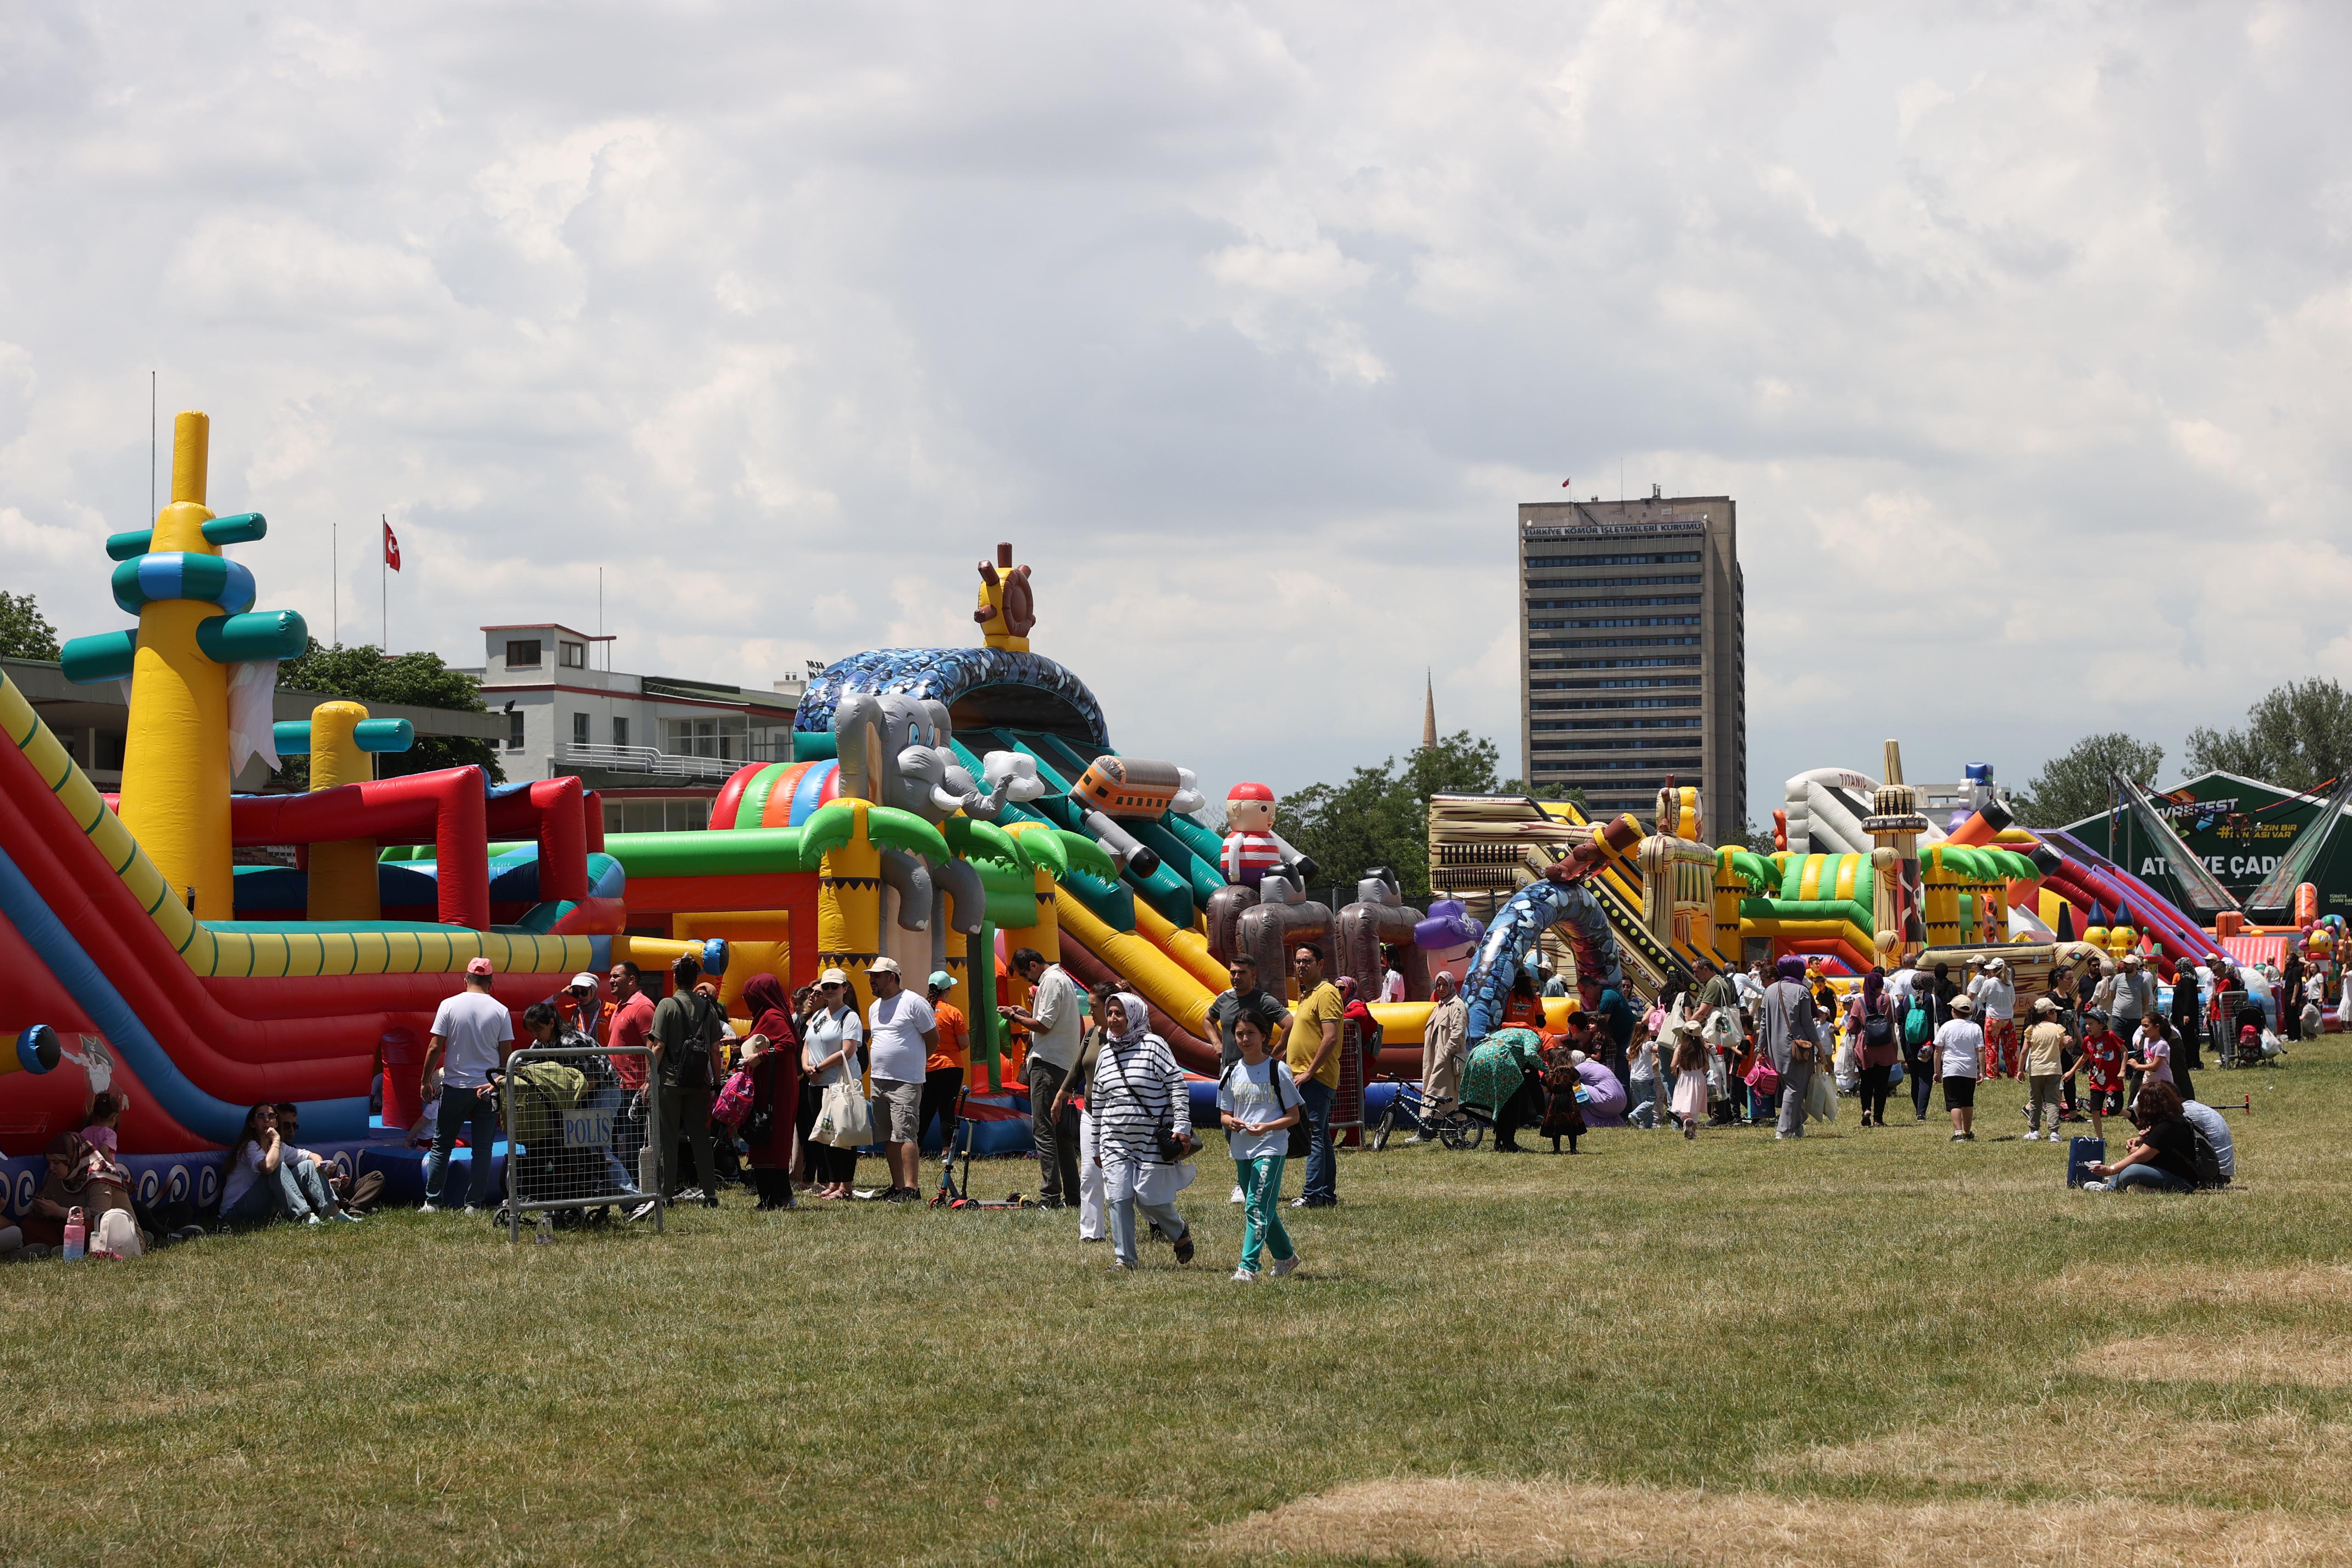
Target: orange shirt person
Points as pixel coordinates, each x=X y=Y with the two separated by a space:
x=943 y=1072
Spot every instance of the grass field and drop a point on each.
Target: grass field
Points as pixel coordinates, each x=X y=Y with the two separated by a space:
x=1871 y=1346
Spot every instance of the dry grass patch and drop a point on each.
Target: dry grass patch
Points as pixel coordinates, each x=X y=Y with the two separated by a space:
x=2306 y=1359
x=2293 y=1284
x=1511 y=1522
x=2262 y=1461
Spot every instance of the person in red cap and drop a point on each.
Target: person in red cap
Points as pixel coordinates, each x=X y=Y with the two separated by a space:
x=472 y=1033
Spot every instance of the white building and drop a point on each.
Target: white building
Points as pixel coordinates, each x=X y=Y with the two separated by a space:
x=656 y=747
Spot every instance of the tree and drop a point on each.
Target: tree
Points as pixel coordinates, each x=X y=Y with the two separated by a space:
x=24 y=631
x=2074 y=786
x=366 y=674
x=1379 y=816
x=2299 y=736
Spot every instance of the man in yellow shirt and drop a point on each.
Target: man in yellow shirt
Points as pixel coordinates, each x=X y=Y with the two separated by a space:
x=1312 y=1046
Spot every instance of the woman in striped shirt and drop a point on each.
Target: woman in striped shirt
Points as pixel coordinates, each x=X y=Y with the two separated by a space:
x=1136 y=1096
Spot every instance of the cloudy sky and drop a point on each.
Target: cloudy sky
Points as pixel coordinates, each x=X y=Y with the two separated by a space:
x=2022 y=336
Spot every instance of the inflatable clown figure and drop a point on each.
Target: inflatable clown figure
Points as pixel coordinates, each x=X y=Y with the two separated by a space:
x=1252 y=850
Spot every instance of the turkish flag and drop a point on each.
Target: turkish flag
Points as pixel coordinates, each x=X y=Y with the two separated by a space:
x=390 y=547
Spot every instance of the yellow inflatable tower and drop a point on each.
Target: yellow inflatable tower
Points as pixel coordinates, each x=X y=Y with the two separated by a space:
x=191 y=602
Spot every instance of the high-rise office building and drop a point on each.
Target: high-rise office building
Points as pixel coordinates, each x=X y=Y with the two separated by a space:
x=1633 y=653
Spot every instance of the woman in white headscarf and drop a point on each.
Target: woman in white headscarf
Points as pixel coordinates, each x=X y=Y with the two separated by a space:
x=1142 y=1128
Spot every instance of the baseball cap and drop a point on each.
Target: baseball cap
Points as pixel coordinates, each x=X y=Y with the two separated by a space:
x=584 y=982
x=941 y=980
x=883 y=967
x=832 y=977
x=1963 y=1005
x=2131 y=961
x=478 y=966
x=2044 y=1004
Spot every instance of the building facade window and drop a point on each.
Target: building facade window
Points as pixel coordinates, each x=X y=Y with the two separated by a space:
x=579 y=729
x=573 y=655
x=522 y=654
x=620 y=731
x=514 y=730
x=720 y=738
x=659 y=816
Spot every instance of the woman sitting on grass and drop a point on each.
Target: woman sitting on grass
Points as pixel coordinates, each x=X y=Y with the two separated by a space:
x=260 y=1179
x=1142 y=1116
x=2162 y=1155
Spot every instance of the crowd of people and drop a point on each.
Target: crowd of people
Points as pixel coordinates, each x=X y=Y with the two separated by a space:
x=1778 y=1047
x=785 y=1111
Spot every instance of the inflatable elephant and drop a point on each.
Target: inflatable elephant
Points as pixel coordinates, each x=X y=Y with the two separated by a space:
x=895 y=751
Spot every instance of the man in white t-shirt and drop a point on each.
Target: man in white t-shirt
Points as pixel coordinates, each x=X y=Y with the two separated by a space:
x=1959 y=1063
x=471 y=1035
x=901 y=1033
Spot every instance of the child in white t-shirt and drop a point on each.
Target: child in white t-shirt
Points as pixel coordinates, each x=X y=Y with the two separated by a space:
x=1258 y=1104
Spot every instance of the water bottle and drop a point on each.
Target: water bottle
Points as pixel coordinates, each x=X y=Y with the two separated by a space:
x=77 y=1234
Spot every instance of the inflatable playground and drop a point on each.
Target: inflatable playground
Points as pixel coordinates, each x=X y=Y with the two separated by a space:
x=1861 y=874
x=942 y=806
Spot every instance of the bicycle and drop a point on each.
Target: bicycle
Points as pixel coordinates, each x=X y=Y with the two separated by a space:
x=1448 y=1122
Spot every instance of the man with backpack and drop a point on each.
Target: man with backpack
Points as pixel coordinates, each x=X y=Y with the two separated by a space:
x=688 y=1027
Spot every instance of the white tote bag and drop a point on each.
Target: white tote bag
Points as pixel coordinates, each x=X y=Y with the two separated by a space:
x=843 y=1119
x=1820 y=1099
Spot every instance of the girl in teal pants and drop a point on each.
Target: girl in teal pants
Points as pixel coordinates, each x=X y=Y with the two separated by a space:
x=1258 y=1104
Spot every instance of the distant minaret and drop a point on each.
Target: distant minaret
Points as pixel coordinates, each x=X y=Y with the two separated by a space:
x=1429 y=713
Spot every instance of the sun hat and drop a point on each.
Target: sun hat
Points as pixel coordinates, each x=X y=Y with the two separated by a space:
x=478 y=966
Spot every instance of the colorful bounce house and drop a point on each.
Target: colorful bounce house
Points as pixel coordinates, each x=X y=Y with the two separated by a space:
x=1863 y=873
x=943 y=806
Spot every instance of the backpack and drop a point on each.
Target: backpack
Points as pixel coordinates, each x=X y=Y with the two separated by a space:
x=1918 y=1021
x=2209 y=1162
x=734 y=1102
x=689 y=1066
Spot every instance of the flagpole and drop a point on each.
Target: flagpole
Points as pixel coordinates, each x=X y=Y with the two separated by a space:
x=335 y=580
x=383 y=581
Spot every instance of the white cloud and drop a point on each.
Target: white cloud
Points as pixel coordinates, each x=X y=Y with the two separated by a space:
x=2019 y=334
